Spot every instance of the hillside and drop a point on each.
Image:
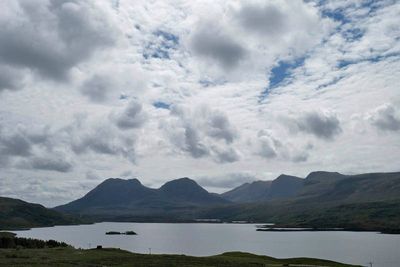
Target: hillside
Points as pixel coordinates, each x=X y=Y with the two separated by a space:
x=320 y=187
x=69 y=256
x=118 y=197
x=17 y=214
x=329 y=200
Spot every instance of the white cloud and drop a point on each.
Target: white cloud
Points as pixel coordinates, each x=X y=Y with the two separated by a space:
x=385 y=117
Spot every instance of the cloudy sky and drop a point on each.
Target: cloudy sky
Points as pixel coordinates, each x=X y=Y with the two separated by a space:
x=224 y=92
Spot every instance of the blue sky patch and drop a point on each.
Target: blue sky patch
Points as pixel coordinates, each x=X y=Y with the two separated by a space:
x=161 y=46
x=280 y=73
x=283 y=70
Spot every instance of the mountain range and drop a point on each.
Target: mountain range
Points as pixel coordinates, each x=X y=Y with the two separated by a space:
x=119 y=197
x=322 y=199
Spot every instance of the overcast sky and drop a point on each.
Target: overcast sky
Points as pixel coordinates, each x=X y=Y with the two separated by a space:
x=224 y=92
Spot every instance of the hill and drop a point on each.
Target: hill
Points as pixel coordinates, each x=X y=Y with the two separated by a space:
x=329 y=200
x=320 y=187
x=17 y=214
x=68 y=256
x=129 y=198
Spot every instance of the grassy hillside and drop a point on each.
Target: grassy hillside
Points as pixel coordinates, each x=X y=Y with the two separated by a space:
x=114 y=257
x=16 y=214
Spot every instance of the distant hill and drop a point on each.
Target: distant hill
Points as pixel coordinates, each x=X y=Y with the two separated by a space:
x=320 y=187
x=322 y=199
x=188 y=191
x=284 y=186
x=17 y=214
x=249 y=192
x=119 y=197
x=326 y=199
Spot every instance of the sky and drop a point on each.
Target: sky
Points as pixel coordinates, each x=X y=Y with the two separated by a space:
x=223 y=92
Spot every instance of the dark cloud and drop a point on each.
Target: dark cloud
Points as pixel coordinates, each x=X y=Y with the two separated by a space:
x=4 y=161
x=100 y=139
x=92 y=175
x=50 y=163
x=225 y=155
x=323 y=126
x=270 y=146
x=132 y=116
x=386 y=118
x=97 y=88
x=15 y=144
x=267 y=19
x=199 y=132
x=221 y=128
x=51 y=37
x=10 y=78
x=193 y=144
x=217 y=46
x=300 y=157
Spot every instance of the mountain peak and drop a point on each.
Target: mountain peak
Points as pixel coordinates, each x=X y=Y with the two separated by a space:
x=120 y=180
x=284 y=177
x=188 y=190
x=318 y=175
x=181 y=185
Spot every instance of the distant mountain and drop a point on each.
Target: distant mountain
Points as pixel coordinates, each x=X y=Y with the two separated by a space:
x=187 y=190
x=119 y=197
x=248 y=192
x=17 y=214
x=322 y=199
x=337 y=188
x=113 y=192
x=326 y=199
x=285 y=186
x=320 y=186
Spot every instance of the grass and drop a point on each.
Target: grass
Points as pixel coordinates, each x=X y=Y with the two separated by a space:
x=115 y=257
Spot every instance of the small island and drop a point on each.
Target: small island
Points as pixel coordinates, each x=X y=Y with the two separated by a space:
x=121 y=233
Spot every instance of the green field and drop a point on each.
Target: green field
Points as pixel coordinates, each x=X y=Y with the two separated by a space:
x=116 y=257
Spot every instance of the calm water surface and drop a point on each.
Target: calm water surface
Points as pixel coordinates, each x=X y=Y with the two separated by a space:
x=204 y=239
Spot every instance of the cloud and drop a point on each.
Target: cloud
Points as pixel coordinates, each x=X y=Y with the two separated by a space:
x=48 y=163
x=322 y=125
x=10 y=78
x=229 y=180
x=97 y=88
x=99 y=136
x=111 y=81
x=221 y=128
x=103 y=140
x=15 y=144
x=92 y=175
x=51 y=37
x=225 y=154
x=199 y=132
x=267 y=19
x=216 y=46
x=385 y=117
x=268 y=146
x=131 y=117
x=32 y=149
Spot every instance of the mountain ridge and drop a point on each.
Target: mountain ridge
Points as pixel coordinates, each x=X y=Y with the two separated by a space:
x=130 y=195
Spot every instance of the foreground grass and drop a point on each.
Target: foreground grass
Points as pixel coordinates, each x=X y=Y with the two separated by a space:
x=115 y=257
